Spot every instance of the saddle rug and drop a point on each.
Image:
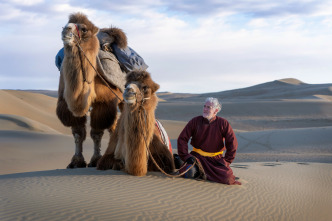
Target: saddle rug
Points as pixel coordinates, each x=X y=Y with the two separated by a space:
x=164 y=135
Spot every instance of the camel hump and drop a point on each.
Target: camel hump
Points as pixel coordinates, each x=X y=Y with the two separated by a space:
x=114 y=40
x=164 y=135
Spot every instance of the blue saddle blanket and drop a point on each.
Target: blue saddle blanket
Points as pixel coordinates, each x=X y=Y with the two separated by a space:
x=129 y=59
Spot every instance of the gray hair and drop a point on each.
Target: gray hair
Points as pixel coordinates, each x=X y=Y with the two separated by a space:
x=215 y=103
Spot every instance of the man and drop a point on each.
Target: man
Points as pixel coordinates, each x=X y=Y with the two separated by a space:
x=210 y=136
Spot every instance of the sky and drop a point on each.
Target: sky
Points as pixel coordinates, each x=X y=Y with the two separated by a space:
x=190 y=46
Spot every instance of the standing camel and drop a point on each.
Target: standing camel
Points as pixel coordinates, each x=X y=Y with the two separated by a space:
x=81 y=89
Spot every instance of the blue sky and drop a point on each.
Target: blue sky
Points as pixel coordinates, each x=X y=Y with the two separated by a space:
x=190 y=46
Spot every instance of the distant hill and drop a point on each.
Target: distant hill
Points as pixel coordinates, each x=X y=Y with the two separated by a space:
x=45 y=92
x=288 y=88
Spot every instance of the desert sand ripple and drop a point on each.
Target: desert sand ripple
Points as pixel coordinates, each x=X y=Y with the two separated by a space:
x=280 y=191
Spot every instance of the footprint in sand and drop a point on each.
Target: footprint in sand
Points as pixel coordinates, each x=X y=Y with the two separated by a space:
x=302 y=163
x=271 y=164
x=241 y=166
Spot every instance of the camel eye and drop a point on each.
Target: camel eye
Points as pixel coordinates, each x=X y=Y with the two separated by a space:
x=145 y=88
x=84 y=30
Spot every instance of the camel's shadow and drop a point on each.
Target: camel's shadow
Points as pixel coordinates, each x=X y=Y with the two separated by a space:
x=74 y=172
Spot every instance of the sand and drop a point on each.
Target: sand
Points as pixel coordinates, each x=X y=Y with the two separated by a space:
x=270 y=191
x=284 y=161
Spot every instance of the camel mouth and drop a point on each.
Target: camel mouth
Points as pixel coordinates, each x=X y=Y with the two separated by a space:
x=67 y=36
x=67 y=39
x=66 y=33
x=130 y=100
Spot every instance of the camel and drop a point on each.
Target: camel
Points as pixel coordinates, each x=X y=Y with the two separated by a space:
x=136 y=128
x=81 y=90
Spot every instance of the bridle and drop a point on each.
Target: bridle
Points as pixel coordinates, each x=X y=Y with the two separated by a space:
x=78 y=41
x=143 y=98
x=174 y=174
x=149 y=154
x=78 y=32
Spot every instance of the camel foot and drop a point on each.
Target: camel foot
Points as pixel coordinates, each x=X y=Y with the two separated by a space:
x=117 y=164
x=94 y=160
x=108 y=161
x=105 y=162
x=77 y=162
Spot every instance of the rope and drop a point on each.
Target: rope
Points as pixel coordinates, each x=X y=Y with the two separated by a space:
x=147 y=146
x=156 y=164
x=101 y=77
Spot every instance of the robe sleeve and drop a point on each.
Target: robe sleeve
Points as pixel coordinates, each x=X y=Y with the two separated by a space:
x=230 y=143
x=183 y=140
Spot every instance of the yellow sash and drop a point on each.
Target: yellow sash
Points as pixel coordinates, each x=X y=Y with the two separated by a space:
x=206 y=154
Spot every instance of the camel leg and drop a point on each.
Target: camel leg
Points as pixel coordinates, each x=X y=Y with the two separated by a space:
x=77 y=160
x=108 y=160
x=96 y=136
x=103 y=116
x=77 y=125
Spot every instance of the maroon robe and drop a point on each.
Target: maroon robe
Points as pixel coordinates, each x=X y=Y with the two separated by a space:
x=210 y=137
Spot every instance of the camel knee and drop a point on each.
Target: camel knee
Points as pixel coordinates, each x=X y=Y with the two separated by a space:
x=66 y=117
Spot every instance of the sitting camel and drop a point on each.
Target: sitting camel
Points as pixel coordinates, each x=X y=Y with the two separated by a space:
x=136 y=128
x=81 y=89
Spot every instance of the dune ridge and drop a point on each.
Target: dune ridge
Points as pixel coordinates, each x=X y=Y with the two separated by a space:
x=33 y=106
x=288 y=88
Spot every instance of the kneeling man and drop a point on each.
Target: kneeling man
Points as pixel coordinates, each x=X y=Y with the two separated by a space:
x=210 y=136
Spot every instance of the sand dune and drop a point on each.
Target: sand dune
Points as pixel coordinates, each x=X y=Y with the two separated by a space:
x=271 y=191
x=288 y=88
x=18 y=123
x=284 y=161
x=33 y=106
x=257 y=115
x=25 y=151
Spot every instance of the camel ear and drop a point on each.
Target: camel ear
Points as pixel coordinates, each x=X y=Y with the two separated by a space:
x=154 y=87
x=95 y=30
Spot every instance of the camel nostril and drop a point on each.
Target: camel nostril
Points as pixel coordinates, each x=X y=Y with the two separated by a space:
x=129 y=90
x=68 y=27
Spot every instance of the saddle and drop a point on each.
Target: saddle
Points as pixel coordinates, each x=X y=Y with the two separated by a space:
x=115 y=59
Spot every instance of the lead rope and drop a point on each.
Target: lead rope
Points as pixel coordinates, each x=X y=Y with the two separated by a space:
x=101 y=77
x=147 y=147
x=156 y=164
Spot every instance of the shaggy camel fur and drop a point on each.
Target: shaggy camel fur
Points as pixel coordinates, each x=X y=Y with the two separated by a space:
x=81 y=89
x=135 y=129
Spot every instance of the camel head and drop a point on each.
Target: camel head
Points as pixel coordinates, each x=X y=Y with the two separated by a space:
x=78 y=29
x=139 y=88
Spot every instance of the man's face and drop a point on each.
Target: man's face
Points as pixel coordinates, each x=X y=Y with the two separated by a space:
x=209 y=111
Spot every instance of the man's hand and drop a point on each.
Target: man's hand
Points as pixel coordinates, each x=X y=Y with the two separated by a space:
x=191 y=160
